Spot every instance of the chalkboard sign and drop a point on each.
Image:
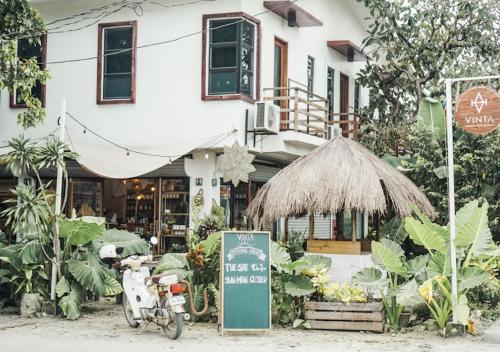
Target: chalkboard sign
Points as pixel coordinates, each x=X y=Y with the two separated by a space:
x=246 y=280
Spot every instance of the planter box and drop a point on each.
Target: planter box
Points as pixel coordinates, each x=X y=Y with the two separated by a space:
x=339 y=316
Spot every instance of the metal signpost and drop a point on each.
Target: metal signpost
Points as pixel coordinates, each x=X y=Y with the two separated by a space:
x=479 y=124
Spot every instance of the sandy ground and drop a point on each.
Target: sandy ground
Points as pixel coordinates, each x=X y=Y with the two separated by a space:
x=103 y=329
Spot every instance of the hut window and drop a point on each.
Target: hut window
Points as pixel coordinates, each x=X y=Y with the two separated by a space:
x=116 y=63
x=25 y=51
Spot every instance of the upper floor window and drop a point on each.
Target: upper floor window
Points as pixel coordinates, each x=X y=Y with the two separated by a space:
x=25 y=51
x=230 y=57
x=357 y=92
x=310 y=74
x=330 y=91
x=116 y=63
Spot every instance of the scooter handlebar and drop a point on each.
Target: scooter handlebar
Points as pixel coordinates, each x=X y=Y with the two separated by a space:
x=136 y=260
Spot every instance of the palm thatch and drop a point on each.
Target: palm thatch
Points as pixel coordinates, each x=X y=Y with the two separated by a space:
x=339 y=174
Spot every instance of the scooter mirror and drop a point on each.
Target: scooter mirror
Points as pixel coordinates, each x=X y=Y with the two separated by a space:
x=153 y=240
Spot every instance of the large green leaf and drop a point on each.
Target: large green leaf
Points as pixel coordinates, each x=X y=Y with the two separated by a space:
x=181 y=273
x=111 y=286
x=71 y=298
x=32 y=253
x=299 y=285
x=173 y=261
x=130 y=242
x=439 y=264
x=78 y=232
x=407 y=294
x=90 y=274
x=417 y=265
x=370 y=278
x=297 y=266
x=473 y=231
x=393 y=246
x=471 y=277
x=431 y=113
x=387 y=259
x=319 y=260
x=394 y=230
x=279 y=256
x=424 y=235
x=211 y=243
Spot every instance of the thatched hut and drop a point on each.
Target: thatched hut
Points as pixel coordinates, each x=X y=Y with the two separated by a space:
x=340 y=174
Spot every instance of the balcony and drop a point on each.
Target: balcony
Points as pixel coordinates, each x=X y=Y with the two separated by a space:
x=304 y=123
x=305 y=112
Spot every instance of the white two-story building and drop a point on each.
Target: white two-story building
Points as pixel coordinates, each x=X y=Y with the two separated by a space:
x=154 y=89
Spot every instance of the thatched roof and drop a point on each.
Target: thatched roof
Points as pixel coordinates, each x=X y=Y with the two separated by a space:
x=339 y=174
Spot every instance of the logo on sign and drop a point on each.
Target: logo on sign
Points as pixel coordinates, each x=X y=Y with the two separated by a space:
x=479 y=102
x=245 y=246
x=478 y=110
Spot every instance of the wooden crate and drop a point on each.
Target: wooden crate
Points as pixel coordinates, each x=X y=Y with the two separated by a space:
x=339 y=316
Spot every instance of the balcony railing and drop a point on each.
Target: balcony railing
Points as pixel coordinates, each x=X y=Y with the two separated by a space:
x=301 y=111
x=306 y=112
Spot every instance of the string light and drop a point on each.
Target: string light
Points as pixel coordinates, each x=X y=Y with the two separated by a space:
x=206 y=155
x=128 y=150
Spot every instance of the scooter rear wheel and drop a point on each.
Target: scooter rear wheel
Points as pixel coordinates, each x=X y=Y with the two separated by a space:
x=174 y=327
x=129 y=315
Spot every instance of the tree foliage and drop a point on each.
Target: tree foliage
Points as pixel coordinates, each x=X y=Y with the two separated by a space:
x=414 y=43
x=19 y=20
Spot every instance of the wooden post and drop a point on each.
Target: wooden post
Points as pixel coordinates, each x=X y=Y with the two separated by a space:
x=295 y=110
x=353 y=225
x=376 y=220
x=311 y=226
x=286 y=230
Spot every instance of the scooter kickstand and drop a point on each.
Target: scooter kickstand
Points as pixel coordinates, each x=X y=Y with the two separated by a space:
x=143 y=327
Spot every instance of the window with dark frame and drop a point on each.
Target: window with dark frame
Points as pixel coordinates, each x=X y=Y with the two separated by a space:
x=231 y=61
x=25 y=51
x=357 y=91
x=116 y=64
x=330 y=91
x=310 y=74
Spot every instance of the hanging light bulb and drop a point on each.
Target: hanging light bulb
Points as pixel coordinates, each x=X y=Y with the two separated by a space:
x=128 y=153
x=84 y=130
x=206 y=155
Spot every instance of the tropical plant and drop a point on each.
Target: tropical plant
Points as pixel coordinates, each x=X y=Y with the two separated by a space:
x=18 y=19
x=415 y=44
x=81 y=266
x=393 y=277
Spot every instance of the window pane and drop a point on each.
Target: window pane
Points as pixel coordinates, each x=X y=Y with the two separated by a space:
x=26 y=50
x=246 y=83
x=225 y=34
x=223 y=82
x=224 y=57
x=247 y=33
x=117 y=86
x=118 y=38
x=247 y=59
x=118 y=63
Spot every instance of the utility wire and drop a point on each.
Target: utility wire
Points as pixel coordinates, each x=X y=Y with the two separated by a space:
x=129 y=150
x=102 y=12
x=165 y=41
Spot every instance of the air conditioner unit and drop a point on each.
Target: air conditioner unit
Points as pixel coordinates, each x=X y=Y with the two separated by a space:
x=267 y=117
x=334 y=131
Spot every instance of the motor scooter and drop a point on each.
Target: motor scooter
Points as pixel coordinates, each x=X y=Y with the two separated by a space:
x=150 y=298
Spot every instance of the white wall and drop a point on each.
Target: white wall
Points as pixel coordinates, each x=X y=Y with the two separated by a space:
x=168 y=106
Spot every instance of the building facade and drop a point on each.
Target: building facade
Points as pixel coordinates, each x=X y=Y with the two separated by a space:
x=171 y=83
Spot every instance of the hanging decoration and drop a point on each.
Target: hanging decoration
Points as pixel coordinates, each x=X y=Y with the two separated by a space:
x=235 y=164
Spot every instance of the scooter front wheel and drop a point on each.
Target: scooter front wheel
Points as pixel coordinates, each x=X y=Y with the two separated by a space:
x=129 y=314
x=173 y=329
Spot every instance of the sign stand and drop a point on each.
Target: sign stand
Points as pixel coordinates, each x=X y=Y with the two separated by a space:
x=245 y=287
x=451 y=184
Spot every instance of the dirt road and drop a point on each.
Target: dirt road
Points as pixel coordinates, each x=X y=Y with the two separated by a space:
x=103 y=329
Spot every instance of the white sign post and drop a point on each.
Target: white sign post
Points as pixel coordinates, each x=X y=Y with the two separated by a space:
x=451 y=184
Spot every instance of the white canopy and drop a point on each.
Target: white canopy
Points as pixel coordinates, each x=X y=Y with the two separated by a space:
x=110 y=161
